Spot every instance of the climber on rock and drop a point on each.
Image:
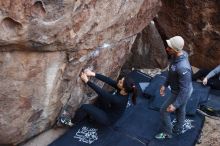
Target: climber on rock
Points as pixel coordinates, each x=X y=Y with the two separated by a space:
x=115 y=104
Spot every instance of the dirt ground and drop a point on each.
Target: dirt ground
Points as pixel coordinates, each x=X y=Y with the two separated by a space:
x=210 y=133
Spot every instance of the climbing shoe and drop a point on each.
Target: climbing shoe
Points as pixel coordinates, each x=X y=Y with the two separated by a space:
x=64 y=120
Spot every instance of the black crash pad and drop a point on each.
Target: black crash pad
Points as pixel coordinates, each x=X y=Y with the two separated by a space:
x=212 y=106
x=140 y=122
x=86 y=134
x=189 y=138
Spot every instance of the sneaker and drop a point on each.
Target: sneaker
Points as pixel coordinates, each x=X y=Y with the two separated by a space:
x=162 y=136
x=65 y=120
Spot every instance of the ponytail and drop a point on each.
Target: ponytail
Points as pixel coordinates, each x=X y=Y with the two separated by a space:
x=134 y=94
x=130 y=88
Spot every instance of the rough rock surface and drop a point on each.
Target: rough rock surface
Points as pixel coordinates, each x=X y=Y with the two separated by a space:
x=148 y=50
x=45 y=44
x=199 y=23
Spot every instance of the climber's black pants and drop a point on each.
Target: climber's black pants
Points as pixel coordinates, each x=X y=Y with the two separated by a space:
x=93 y=112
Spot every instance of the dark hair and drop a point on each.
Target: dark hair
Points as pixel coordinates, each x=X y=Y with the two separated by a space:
x=130 y=88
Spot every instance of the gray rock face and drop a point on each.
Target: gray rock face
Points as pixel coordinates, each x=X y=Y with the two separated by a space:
x=44 y=46
x=69 y=24
x=199 y=23
x=148 y=50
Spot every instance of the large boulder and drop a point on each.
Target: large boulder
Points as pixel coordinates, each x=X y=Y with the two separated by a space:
x=198 y=22
x=148 y=50
x=44 y=46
